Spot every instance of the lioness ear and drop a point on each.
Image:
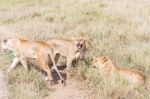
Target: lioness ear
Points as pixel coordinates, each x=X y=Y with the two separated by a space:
x=75 y=41
x=83 y=41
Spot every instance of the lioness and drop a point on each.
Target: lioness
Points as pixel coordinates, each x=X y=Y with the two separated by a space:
x=104 y=64
x=24 y=49
x=73 y=49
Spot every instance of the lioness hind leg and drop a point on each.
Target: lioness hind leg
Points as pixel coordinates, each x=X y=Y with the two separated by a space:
x=56 y=69
x=69 y=74
x=24 y=63
x=57 y=56
x=43 y=61
x=49 y=74
x=46 y=68
x=14 y=63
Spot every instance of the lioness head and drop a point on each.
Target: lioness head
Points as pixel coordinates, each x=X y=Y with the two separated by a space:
x=80 y=46
x=99 y=62
x=103 y=63
x=6 y=44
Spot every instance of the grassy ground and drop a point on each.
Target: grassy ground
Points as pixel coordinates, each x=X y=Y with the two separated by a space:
x=119 y=29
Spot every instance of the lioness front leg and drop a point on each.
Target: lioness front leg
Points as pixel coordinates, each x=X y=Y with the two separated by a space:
x=14 y=63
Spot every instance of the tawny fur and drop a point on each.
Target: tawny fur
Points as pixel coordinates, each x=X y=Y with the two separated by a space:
x=24 y=49
x=104 y=64
x=73 y=49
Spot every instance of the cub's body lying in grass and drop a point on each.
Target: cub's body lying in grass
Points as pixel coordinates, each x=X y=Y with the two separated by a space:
x=104 y=64
x=24 y=49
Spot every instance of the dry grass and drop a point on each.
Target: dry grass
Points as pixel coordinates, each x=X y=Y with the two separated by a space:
x=118 y=28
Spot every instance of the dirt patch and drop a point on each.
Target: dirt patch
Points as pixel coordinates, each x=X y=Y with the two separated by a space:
x=70 y=91
x=3 y=86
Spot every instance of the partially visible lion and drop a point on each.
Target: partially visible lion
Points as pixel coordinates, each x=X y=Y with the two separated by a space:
x=23 y=49
x=104 y=64
x=73 y=49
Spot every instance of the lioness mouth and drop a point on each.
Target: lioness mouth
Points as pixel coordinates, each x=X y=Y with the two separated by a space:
x=79 y=46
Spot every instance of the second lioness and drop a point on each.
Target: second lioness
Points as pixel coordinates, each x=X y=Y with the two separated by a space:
x=24 y=49
x=106 y=66
x=73 y=49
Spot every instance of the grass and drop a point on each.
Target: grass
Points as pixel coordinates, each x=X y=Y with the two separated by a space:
x=118 y=29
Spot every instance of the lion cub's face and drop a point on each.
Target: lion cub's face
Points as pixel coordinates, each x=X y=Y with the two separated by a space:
x=99 y=62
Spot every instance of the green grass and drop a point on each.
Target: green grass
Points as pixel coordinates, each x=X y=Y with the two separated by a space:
x=27 y=85
x=118 y=29
x=22 y=84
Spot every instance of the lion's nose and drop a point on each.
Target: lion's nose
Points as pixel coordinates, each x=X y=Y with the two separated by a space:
x=94 y=66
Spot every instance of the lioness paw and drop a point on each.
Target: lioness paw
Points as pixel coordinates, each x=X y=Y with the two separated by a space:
x=8 y=70
x=48 y=79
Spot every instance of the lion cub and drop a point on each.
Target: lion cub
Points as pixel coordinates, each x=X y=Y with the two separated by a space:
x=73 y=49
x=104 y=64
x=24 y=49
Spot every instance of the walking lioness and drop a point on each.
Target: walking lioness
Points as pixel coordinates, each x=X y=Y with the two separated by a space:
x=24 y=49
x=71 y=49
x=104 y=64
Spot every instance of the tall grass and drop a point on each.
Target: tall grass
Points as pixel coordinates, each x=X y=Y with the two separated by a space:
x=118 y=29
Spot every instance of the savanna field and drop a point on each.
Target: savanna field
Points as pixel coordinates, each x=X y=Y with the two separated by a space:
x=119 y=29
